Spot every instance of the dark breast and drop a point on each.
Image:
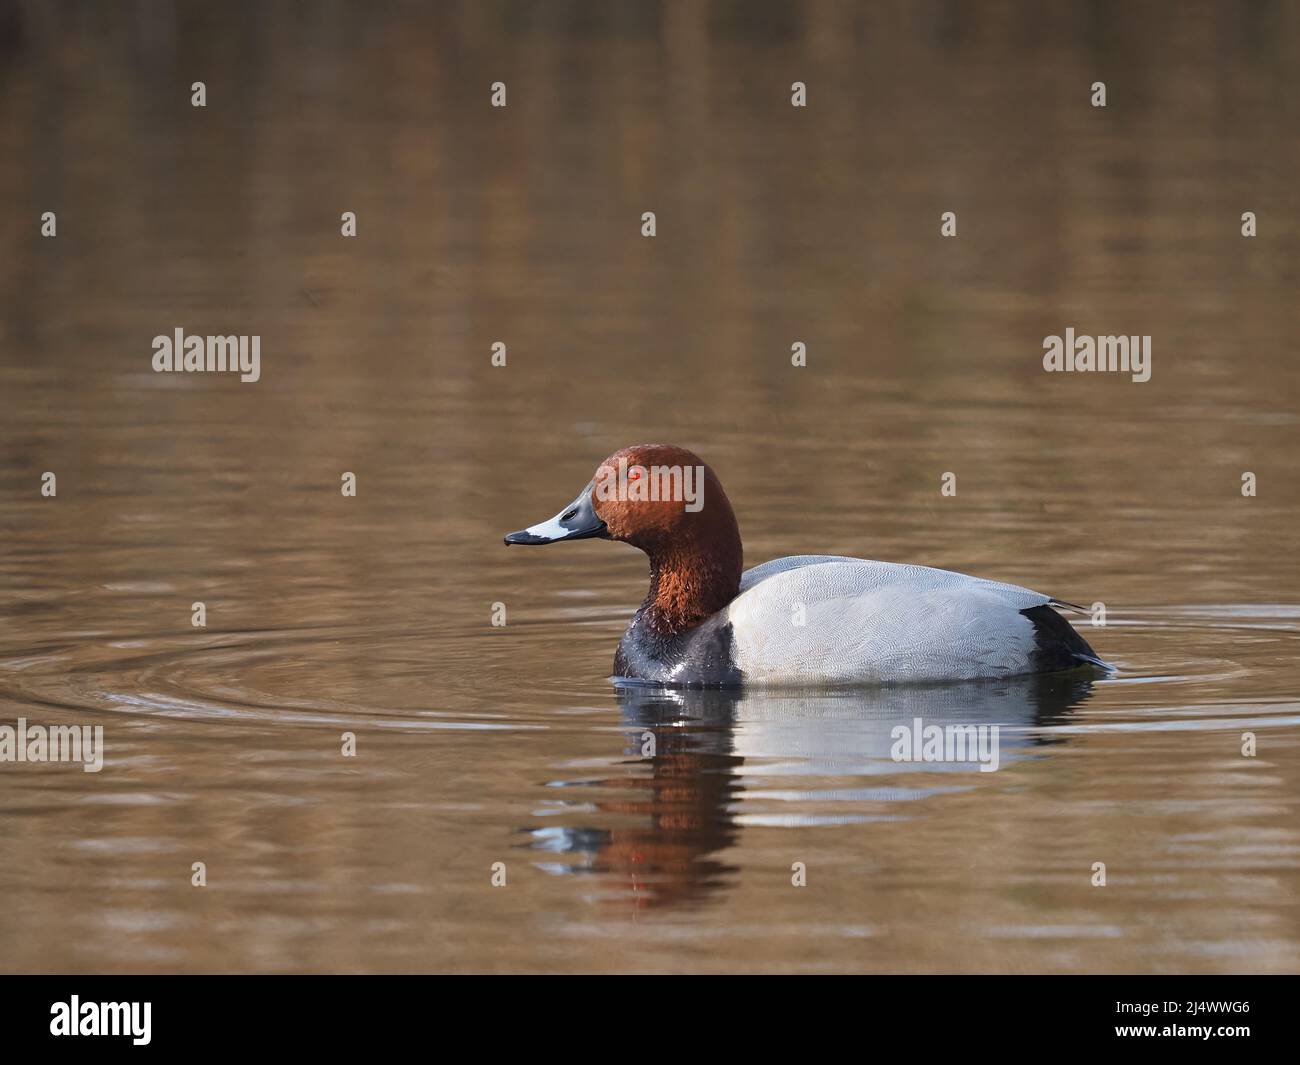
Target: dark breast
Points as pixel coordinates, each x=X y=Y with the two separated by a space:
x=697 y=658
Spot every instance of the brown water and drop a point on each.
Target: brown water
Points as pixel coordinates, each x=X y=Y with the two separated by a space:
x=372 y=615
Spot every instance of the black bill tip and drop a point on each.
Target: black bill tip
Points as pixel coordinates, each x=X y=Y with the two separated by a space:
x=523 y=536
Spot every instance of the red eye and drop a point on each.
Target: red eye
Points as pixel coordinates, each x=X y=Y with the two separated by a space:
x=634 y=474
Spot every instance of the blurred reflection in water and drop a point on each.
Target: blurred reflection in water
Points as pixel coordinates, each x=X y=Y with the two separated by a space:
x=716 y=752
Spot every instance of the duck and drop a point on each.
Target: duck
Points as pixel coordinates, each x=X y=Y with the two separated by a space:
x=799 y=621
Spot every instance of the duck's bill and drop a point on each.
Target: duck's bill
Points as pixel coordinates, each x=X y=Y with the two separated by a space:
x=577 y=521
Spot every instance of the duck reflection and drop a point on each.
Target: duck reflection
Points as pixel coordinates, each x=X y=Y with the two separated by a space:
x=700 y=765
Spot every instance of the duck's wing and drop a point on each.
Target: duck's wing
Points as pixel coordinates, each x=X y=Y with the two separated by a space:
x=850 y=620
x=753 y=576
x=860 y=575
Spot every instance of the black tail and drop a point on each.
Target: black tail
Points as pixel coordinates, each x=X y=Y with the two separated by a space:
x=1057 y=645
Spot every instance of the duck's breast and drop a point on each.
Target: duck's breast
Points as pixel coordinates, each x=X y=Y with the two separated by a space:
x=835 y=620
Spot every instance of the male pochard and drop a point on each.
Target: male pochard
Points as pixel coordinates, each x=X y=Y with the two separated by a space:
x=802 y=620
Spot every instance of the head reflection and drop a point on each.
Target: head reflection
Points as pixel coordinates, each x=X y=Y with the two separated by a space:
x=699 y=766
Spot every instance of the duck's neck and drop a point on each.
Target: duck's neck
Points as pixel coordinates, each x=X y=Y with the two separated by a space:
x=688 y=584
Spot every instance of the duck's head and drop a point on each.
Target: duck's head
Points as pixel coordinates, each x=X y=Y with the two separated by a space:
x=653 y=496
x=666 y=501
